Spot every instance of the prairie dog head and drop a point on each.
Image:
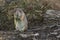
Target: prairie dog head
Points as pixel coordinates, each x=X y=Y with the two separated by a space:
x=18 y=13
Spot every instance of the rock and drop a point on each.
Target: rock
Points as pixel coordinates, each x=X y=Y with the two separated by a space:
x=58 y=36
x=52 y=17
x=55 y=33
x=52 y=14
x=52 y=22
x=29 y=35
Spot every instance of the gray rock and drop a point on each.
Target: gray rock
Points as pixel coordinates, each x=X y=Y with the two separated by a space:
x=52 y=14
x=29 y=35
x=58 y=36
x=52 y=18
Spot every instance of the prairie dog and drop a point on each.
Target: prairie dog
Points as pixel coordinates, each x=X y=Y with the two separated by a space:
x=20 y=20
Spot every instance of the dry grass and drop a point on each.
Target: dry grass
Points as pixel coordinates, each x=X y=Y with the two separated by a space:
x=32 y=8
